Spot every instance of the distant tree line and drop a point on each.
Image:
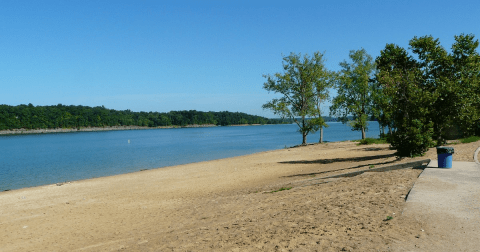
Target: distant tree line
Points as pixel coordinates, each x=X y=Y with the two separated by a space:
x=61 y=116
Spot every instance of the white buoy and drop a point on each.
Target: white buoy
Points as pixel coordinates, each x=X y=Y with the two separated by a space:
x=128 y=140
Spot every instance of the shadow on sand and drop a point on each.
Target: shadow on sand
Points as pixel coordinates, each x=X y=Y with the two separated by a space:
x=336 y=160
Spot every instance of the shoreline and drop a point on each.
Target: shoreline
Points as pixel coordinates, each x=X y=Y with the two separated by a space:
x=159 y=207
x=146 y=170
x=255 y=202
x=95 y=129
x=112 y=128
x=168 y=167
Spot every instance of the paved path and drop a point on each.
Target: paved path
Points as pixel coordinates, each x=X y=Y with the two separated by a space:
x=449 y=202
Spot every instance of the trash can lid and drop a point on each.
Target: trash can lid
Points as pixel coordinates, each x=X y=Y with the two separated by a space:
x=445 y=150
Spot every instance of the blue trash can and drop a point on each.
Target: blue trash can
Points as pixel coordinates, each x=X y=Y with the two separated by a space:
x=445 y=157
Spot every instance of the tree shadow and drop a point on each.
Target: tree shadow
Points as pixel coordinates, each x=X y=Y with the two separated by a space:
x=377 y=148
x=335 y=160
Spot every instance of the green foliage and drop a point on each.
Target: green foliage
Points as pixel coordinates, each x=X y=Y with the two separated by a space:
x=466 y=72
x=290 y=120
x=326 y=81
x=301 y=85
x=437 y=80
x=60 y=116
x=454 y=80
x=470 y=139
x=407 y=107
x=413 y=138
x=369 y=140
x=355 y=87
x=421 y=99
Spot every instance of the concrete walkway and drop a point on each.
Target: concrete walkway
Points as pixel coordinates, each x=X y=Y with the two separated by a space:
x=448 y=200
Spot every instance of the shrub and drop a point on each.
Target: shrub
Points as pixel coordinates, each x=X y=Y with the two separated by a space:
x=369 y=140
x=413 y=138
x=470 y=139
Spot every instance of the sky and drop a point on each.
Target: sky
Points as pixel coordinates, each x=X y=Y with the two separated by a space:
x=196 y=55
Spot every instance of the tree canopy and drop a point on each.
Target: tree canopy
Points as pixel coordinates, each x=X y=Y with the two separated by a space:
x=424 y=97
x=404 y=101
x=301 y=85
x=355 y=87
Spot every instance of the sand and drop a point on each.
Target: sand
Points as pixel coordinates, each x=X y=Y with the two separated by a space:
x=269 y=201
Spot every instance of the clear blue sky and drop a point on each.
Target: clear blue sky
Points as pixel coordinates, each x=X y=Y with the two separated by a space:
x=199 y=55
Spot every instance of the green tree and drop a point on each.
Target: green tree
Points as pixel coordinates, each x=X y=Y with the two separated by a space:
x=466 y=73
x=322 y=86
x=436 y=66
x=296 y=85
x=453 y=79
x=405 y=101
x=425 y=97
x=381 y=108
x=354 y=87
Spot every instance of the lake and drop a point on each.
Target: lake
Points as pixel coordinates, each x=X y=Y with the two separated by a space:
x=40 y=159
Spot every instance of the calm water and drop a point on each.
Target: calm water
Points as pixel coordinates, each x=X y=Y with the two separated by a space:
x=32 y=160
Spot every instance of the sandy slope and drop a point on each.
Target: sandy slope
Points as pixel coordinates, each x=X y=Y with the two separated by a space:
x=226 y=205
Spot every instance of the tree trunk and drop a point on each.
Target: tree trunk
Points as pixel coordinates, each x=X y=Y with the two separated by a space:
x=304 y=134
x=363 y=133
x=321 y=135
x=382 y=130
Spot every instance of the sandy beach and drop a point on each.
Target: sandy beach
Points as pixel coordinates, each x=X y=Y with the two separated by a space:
x=270 y=201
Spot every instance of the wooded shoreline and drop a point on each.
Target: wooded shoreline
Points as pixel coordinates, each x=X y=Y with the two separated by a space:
x=92 y=129
x=106 y=128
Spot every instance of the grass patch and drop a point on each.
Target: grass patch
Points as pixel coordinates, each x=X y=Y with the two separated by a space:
x=370 y=140
x=282 y=189
x=470 y=139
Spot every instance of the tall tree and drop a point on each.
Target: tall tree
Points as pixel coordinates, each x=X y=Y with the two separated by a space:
x=453 y=79
x=381 y=108
x=296 y=85
x=404 y=101
x=436 y=67
x=354 y=88
x=466 y=68
x=428 y=96
x=322 y=86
